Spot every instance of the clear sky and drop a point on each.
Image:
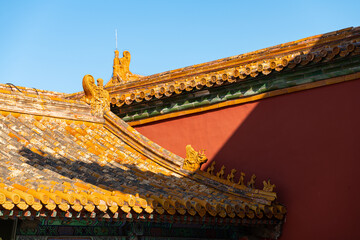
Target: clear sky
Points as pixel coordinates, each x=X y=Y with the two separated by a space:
x=51 y=45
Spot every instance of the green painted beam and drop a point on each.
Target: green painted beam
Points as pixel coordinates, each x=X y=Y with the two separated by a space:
x=252 y=86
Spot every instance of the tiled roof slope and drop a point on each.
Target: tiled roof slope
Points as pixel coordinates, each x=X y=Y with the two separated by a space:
x=57 y=160
x=34 y=92
x=43 y=103
x=315 y=49
x=295 y=66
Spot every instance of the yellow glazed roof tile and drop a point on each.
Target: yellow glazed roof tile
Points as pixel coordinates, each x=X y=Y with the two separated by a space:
x=83 y=164
x=324 y=47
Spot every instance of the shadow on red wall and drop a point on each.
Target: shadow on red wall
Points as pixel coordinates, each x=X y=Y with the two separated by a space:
x=307 y=143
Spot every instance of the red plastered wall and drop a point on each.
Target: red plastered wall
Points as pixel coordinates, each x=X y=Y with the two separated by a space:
x=307 y=143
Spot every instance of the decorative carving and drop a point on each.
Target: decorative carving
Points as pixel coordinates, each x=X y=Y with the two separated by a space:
x=231 y=176
x=210 y=169
x=116 y=66
x=193 y=160
x=125 y=64
x=251 y=183
x=241 y=179
x=121 y=69
x=96 y=96
x=268 y=187
x=220 y=174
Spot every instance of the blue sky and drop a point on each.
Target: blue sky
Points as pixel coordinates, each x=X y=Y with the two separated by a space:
x=51 y=45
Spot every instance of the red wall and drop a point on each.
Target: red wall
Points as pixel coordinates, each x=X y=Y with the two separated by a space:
x=307 y=143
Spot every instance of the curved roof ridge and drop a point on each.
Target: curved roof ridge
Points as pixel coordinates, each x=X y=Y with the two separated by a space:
x=174 y=163
x=70 y=164
x=140 y=142
x=277 y=50
x=23 y=100
x=32 y=92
